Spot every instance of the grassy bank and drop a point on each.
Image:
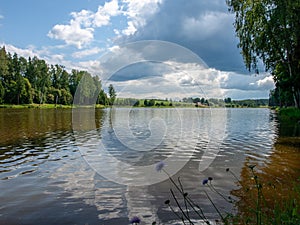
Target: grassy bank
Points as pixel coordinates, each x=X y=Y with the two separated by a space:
x=34 y=106
x=44 y=106
x=289 y=114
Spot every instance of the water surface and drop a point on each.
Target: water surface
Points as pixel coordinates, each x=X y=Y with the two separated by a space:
x=44 y=178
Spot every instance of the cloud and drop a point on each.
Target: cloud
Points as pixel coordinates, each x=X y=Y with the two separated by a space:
x=111 y=8
x=205 y=27
x=28 y=52
x=171 y=79
x=87 y=52
x=131 y=28
x=176 y=80
x=72 y=34
x=47 y=55
x=262 y=82
x=138 y=13
x=141 y=70
x=92 y=66
x=104 y=13
x=266 y=83
x=80 y=30
x=208 y=25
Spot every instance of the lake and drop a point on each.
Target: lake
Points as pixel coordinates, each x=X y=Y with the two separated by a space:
x=87 y=166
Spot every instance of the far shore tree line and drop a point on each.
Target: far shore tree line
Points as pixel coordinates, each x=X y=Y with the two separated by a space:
x=32 y=80
x=191 y=102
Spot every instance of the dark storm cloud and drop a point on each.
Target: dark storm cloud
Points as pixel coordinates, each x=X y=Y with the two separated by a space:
x=205 y=27
x=141 y=70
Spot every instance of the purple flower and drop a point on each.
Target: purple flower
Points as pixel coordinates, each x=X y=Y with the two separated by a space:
x=205 y=181
x=159 y=166
x=135 y=220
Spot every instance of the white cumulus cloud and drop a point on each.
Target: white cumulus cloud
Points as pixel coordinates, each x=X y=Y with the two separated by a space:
x=86 y=52
x=138 y=13
x=266 y=83
x=72 y=34
x=80 y=30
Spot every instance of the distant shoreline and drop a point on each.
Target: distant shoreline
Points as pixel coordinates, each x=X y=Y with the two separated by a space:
x=98 y=106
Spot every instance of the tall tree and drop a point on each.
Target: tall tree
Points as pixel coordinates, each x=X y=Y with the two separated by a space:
x=112 y=94
x=74 y=80
x=3 y=64
x=3 y=72
x=269 y=30
x=38 y=75
x=86 y=90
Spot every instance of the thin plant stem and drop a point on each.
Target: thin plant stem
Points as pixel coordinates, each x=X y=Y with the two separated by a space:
x=237 y=179
x=216 y=208
x=189 y=200
x=184 y=197
x=180 y=217
x=183 y=213
x=258 y=200
x=216 y=191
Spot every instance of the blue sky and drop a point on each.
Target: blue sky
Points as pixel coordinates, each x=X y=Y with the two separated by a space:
x=78 y=33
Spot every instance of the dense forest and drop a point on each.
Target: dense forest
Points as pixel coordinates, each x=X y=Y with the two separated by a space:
x=32 y=80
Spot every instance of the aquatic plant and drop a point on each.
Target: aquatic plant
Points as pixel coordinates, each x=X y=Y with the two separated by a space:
x=186 y=209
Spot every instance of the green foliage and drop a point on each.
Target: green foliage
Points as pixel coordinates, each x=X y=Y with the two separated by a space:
x=248 y=103
x=269 y=30
x=112 y=94
x=127 y=102
x=86 y=89
x=34 y=81
x=289 y=114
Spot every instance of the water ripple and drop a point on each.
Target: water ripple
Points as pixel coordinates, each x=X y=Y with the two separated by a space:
x=43 y=170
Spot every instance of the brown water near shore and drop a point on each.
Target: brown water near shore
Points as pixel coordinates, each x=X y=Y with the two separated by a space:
x=279 y=178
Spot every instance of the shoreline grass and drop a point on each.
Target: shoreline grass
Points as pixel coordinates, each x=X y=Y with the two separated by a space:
x=47 y=106
x=99 y=106
x=291 y=114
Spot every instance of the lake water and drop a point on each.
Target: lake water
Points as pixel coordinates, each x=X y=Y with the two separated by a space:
x=64 y=166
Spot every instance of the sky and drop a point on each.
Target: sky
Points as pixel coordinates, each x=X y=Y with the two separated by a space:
x=82 y=34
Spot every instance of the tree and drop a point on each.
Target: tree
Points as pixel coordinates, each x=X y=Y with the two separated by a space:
x=151 y=102
x=196 y=100
x=112 y=94
x=74 y=80
x=145 y=102
x=102 y=98
x=3 y=72
x=37 y=73
x=17 y=77
x=227 y=100
x=2 y=92
x=269 y=30
x=3 y=63
x=202 y=100
x=98 y=86
x=86 y=89
x=25 y=81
